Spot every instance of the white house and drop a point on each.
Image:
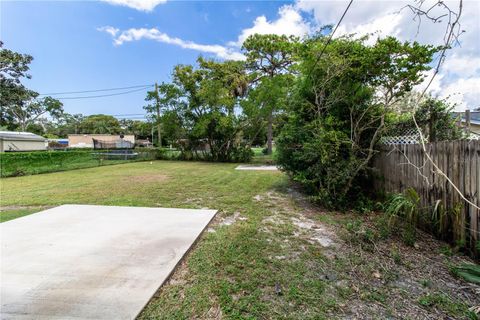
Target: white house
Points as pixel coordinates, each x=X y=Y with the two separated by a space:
x=21 y=141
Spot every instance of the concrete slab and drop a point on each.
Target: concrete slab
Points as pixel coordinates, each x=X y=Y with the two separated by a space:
x=257 y=167
x=85 y=262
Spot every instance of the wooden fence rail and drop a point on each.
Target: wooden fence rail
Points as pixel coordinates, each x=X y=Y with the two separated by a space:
x=405 y=166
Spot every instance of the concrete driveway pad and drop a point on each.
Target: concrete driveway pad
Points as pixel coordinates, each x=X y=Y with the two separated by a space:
x=91 y=262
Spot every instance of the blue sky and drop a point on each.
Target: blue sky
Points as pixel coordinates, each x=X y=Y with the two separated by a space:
x=86 y=45
x=70 y=54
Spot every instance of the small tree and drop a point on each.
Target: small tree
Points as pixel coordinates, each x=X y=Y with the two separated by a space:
x=161 y=99
x=436 y=119
x=207 y=111
x=269 y=58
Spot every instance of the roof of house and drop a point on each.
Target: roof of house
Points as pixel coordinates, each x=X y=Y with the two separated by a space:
x=98 y=135
x=474 y=117
x=24 y=136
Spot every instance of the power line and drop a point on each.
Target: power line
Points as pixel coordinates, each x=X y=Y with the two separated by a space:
x=97 y=90
x=330 y=38
x=101 y=96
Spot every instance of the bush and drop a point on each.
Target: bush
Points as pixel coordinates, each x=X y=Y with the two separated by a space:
x=151 y=153
x=337 y=112
x=242 y=154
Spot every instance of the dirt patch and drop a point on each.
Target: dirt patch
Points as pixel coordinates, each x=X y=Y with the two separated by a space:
x=384 y=279
x=232 y=219
x=314 y=231
x=147 y=178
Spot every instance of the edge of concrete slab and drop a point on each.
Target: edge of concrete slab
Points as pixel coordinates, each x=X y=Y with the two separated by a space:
x=192 y=246
x=257 y=167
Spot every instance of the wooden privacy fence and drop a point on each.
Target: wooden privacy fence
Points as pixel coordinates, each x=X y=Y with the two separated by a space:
x=402 y=166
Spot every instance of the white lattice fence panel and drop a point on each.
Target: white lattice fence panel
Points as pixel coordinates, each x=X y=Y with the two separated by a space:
x=410 y=136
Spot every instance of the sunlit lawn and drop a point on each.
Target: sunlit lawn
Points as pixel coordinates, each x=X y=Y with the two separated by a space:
x=236 y=253
x=233 y=272
x=157 y=184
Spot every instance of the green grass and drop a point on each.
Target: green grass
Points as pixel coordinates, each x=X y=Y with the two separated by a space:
x=17 y=213
x=260 y=158
x=14 y=164
x=445 y=303
x=160 y=183
x=231 y=269
x=234 y=271
x=231 y=262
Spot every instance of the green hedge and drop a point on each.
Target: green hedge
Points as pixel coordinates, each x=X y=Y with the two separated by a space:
x=28 y=163
x=25 y=163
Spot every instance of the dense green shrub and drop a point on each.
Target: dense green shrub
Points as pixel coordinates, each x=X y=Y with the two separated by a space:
x=242 y=154
x=338 y=110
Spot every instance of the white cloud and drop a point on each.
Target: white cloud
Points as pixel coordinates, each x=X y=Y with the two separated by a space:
x=156 y=35
x=466 y=65
x=110 y=30
x=463 y=92
x=290 y=22
x=388 y=25
x=141 y=5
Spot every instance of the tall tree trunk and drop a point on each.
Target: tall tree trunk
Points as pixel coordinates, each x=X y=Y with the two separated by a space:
x=270 y=133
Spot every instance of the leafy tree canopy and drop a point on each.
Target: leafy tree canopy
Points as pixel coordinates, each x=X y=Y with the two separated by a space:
x=338 y=110
x=100 y=124
x=20 y=106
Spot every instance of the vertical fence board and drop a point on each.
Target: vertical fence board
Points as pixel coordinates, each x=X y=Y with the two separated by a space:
x=459 y=160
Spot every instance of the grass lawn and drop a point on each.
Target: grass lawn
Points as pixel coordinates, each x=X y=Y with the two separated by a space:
x=260 y=158
x=10 y=213
x=268 y=253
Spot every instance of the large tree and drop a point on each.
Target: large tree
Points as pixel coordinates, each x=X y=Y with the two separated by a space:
x=141 y=129
x=340 y=108
x=27 y=112
x=269 y=58
x=207 y=110
x=20 y=107
x=100 y=124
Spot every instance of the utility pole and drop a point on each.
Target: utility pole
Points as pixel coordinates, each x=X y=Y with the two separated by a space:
x=158 y=116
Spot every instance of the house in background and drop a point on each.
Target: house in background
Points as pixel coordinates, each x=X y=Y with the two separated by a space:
x=87 y=140
x=469 y=120
x=144 y=143
x=21 y=141
x=57 y=144
x=473 y=122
